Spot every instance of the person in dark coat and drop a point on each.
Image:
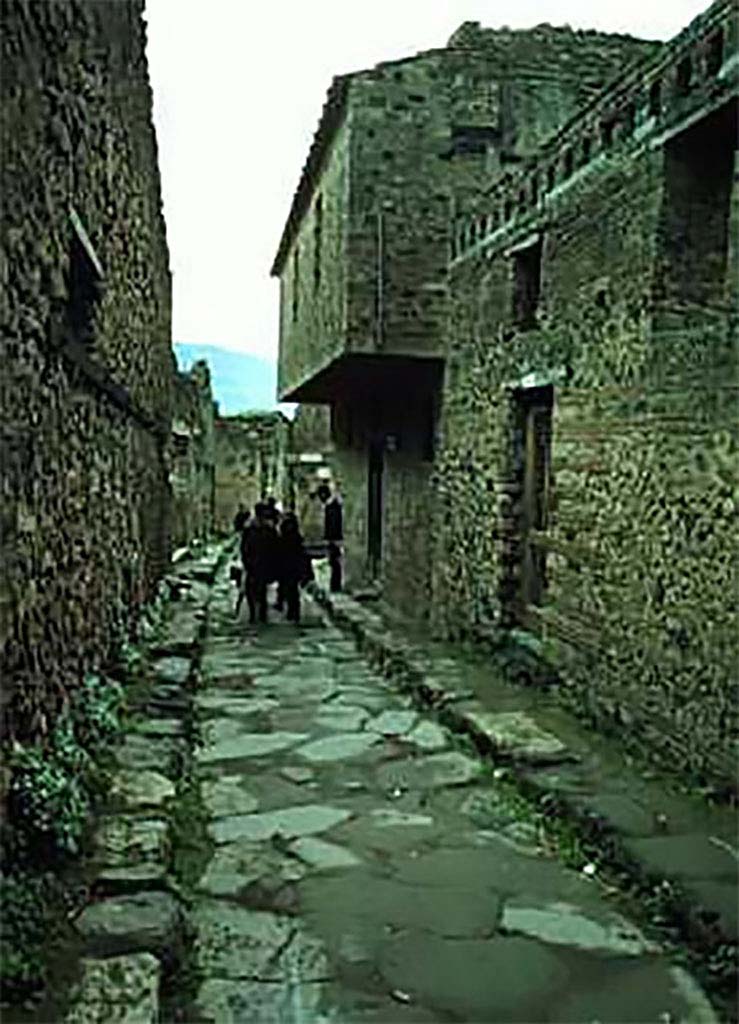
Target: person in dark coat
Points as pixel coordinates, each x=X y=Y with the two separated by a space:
x=259 y=555
x=240 y=518
x=295 y=565
x=333 y=532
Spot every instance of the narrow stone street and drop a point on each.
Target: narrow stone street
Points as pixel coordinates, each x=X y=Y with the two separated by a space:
x=364 y=867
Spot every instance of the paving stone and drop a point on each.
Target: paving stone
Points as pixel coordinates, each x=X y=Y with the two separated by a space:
x=234 y=942
x=337 y=748
x=220 y=1001
x=228 y=704
x=565 y=925
x=430 y=772
x=172 y=669
x=160 y=727
x=248 y=745
x=131 y=879
x=697 y=1009
x=516 y=735
x=165 y=701
x=619 y=812
x=495 y=979
x=721 y=900
x=389 y=817
x=298 y=773
x=228 y=796
x=123 y=841
x=685 y=857
x=638 y=991
x=124 y=924
x=139 y=752
x=322 y=855
x=289 y=822
x=139 y=790
x=180 y=634
x=225 y=666
x=342 y=717
x=117 y=990
x=429 y=736
x=361 y=696
x=393 y=723
x=236 y=866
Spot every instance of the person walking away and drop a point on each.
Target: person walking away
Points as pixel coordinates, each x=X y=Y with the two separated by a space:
x=274 y=516
x=259 y=555
x=333 y=531
x=273 y=512
x=295 y=565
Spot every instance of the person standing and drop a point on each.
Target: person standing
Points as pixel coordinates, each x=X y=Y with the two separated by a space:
x=333 y=532
x=240 y=518
x=259 y=555
x=295 y=565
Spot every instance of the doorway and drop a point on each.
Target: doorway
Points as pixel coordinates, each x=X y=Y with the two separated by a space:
x=374 y=506
x=535 y=432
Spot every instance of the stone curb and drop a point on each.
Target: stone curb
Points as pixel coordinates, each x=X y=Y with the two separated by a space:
x=138 y=924
x=700 y=924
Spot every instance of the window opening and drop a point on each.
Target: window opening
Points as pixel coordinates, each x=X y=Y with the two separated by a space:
x=296 y=282
x=655 y=99
x=317 y=233
x=715 y=53
x=684 y=75
x=84 y=286
x=526 y=285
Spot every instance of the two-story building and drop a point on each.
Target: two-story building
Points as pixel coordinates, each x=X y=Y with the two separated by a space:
x=363 y=258
x=586 y=491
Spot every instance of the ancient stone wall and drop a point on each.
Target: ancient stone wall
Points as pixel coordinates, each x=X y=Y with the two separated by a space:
x=250 y=462
x=313 y=295
x=192 y=456
x=631 y=327
x=87 y=367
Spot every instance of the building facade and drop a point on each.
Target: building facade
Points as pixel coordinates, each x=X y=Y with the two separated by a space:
x=586 y=489
x=363 y=257
x=510 y=269
x=87 y=365
x=193 y=456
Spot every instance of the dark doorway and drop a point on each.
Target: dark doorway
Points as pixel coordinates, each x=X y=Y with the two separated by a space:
x=694 y=226
x=535 y=425
x=374 y=505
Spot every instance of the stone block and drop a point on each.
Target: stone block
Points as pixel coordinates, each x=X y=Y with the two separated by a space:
x=117 y=990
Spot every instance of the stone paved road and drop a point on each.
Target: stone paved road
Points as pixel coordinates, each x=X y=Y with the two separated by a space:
x=366 y=870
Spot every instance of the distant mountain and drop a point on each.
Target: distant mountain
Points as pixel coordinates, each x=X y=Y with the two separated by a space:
x=240 y=382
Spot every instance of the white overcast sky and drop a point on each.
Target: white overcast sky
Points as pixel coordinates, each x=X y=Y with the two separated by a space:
x=238 y=90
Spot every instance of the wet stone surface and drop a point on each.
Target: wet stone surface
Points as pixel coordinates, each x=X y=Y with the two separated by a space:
x=365 y=869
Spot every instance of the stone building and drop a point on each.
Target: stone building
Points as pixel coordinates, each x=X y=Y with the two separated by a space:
x=585 y=492
x=192 y=456
x=87 y=365
x=510 y=268
x=363 y=257
x=250 y=462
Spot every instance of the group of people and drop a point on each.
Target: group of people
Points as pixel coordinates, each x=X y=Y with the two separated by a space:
x=272 y=550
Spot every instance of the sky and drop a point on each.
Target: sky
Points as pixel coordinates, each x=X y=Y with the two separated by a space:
x=238 y=91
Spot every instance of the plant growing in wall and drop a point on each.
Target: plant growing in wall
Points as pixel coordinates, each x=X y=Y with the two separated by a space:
x=51 y=793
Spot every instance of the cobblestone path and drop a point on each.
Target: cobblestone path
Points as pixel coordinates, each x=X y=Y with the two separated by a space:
x=366 y=869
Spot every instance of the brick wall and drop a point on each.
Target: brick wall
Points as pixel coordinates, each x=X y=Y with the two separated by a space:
x=87 y=363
